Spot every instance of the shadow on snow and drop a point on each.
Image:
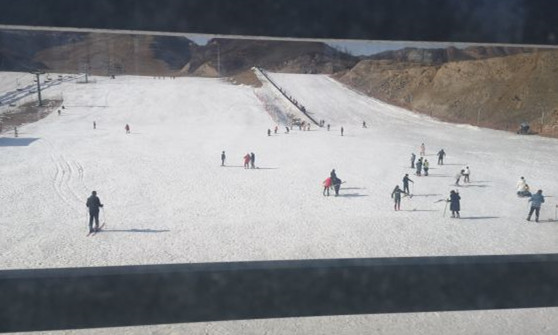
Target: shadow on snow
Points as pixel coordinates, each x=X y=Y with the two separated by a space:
x=16 y=142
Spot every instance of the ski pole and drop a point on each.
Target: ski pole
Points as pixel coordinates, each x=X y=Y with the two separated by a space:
x=445 y=208
x=104 y=217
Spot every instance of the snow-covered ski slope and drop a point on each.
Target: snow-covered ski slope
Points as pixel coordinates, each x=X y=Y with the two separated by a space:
x=168 y=200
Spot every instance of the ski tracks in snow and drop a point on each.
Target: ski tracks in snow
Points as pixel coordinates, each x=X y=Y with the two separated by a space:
x=68 y=180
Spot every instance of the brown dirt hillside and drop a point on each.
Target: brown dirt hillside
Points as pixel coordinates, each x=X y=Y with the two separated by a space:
x=499 y=92
x=105 y=54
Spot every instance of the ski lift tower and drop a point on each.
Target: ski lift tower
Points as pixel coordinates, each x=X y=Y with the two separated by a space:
x=38 y=80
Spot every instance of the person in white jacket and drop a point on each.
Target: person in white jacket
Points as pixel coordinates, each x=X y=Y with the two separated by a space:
x=522 y=188
x=466 y=173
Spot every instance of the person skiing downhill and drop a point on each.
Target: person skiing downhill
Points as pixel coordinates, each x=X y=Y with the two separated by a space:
x=458 y=177
x=406 y=181
x=455 y=205
x=223 y=157
x=327 y=185
x=441 y=155
x=246 y=161
x=93 y=203
x=396 y=196
x=536 y=201
x=413 y=156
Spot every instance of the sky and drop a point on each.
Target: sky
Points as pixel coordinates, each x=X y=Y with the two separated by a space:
x=168 y=199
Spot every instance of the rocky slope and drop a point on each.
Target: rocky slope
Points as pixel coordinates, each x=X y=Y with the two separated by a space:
x=497 y=92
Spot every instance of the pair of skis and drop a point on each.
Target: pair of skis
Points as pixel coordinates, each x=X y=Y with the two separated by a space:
x=96 y=230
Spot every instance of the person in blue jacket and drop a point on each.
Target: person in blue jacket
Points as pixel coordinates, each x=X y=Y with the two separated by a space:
x=536 y=201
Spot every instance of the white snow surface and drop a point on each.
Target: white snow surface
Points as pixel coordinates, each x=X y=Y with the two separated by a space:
x=168 y=200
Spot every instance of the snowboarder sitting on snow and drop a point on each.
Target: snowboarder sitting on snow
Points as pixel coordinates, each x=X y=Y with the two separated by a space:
x=327 y=185
x=525 y=191
x=93 y=202
x=396 y=196
x=454 y=203
x=523 y=188
x=536 y=201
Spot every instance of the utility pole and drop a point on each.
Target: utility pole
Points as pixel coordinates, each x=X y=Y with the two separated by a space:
x=39 y=87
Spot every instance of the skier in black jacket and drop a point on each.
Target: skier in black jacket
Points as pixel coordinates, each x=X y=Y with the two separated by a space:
x=406 y=181
x=93 y=202
x=455 y=205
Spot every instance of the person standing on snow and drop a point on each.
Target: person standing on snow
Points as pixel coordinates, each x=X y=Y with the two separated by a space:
x=425 y=167
x=335 y=182
x=327 y=185
x=441 y=155
x=422 y=150
x=455 y=205
x=93 y=203
x=127 y=128
x=466 y=173
x=252 y=161
x=246 y=161
x=406 y=181
x=536 y=201
x=413 y=156
x=419 y=166
x=396 y=196
x=275 y=130
x=342 y=130
x=458 y=177
x=223 y=157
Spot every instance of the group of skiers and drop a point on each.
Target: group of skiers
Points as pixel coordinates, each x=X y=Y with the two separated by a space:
x=422 y=164
x=250 y=161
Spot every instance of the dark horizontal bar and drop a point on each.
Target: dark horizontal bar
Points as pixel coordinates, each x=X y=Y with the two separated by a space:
x=480 y=21
x=61 y=299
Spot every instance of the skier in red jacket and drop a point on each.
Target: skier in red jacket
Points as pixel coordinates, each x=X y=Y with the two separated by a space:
x=247 y=159
x=327 y=185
